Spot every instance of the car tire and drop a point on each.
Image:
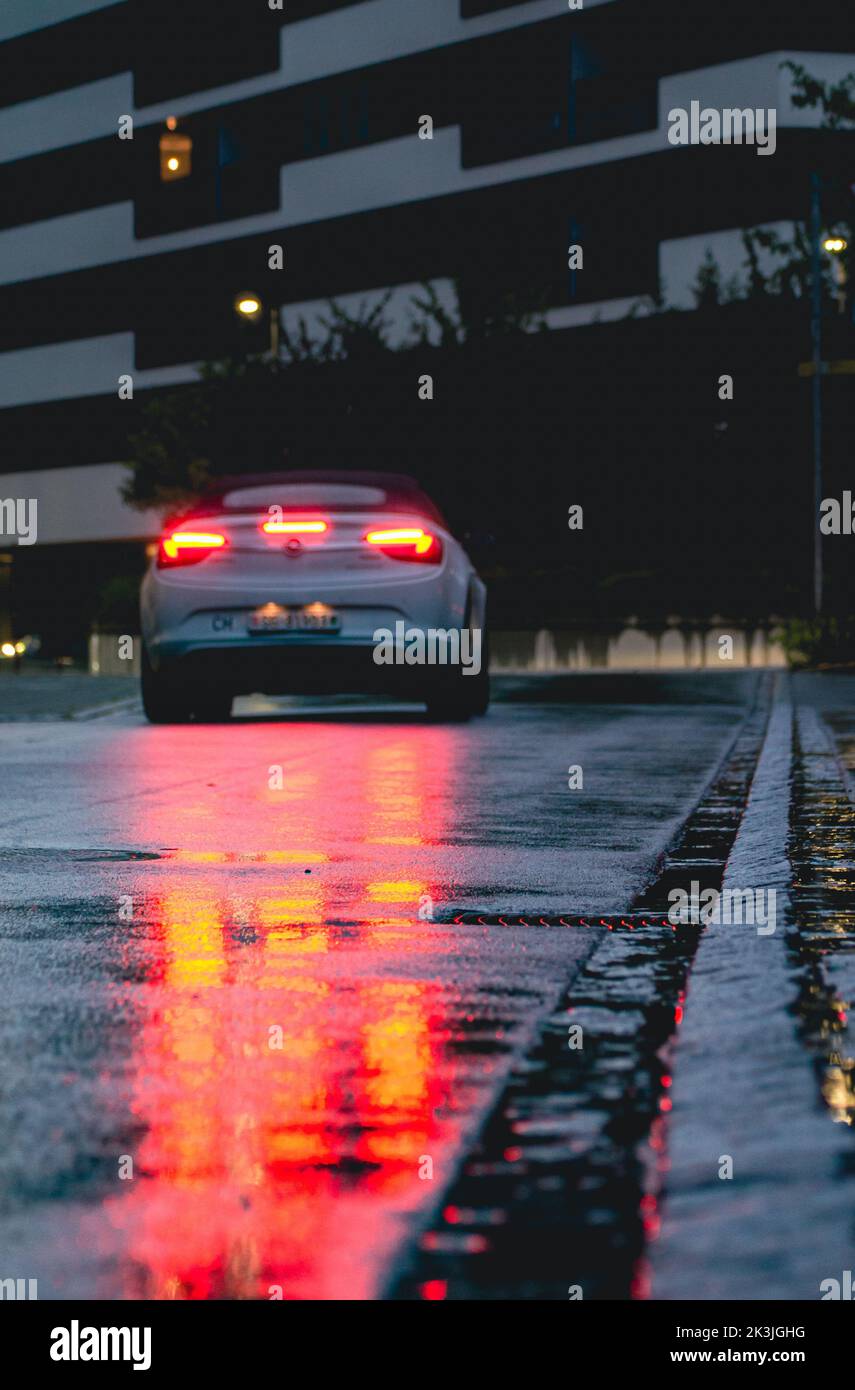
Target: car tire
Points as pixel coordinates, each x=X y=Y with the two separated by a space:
x=457 y=698
x=163 y=700
x=213 y=709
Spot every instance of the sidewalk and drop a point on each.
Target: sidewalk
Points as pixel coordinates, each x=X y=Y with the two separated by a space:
x=41 y=695
x=764 y=1058
x=832 y=695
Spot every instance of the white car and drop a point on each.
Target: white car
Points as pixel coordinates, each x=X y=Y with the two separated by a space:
x=312 y=582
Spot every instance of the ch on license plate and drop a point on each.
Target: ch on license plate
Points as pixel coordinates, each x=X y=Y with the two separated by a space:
x=315 y=617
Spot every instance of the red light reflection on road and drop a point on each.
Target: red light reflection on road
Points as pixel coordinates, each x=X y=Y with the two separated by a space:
x=286 y=1100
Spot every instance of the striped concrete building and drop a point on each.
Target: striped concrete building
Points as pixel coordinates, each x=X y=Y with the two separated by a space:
x=302 y=125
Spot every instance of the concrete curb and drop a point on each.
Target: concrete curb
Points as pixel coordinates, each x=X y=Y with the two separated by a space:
x=744 y=1087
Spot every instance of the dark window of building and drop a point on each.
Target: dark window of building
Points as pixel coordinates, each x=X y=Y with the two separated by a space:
x=606 y=107
x=517 y=94
x=69 y=180
x=335 y=117
x=543 y=87
x=609 y=97
x=198 y=45
x=317 y=124
x=238 y=150
x=60 y=56
x=183 y=46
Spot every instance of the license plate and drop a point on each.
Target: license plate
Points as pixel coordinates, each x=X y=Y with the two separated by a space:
x=292 y=620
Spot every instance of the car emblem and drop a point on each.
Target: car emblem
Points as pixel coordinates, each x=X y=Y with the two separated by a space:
x=294 y=547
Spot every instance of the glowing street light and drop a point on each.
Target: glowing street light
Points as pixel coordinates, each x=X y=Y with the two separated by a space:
x=249 y=306
x=835 y=244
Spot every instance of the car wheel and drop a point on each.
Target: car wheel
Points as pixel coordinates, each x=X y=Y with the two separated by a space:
x=213 y=709
x=481 y=693
x=457 y=697
x=162 y=699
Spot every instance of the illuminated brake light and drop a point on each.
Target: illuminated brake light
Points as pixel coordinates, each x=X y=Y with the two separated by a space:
x=411 y=535
x=188 y=547
x=407 y=543
x=294 y=528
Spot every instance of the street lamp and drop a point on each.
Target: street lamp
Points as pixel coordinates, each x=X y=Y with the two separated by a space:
x=835 y=244
x=249 y=306
x=816 y=240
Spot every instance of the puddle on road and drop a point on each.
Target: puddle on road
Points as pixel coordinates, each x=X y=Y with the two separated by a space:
x=280 y=1064
x=287 y=1112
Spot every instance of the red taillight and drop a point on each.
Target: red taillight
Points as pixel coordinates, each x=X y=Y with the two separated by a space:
x=408 y=543
x=295 y=527
x=188 y=547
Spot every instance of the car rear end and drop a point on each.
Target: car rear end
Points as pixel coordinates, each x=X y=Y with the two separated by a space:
x=282 y=588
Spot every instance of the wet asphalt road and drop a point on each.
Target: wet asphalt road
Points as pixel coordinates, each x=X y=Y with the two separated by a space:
x=245 y=1048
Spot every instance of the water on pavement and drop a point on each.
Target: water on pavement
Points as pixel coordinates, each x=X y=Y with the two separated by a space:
x=246 y=1047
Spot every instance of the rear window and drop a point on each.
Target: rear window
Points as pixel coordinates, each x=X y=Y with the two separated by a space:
x=307 y=495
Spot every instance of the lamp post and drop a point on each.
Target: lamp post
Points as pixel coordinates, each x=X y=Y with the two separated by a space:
x=249 y=306
x=834 y=245
x=816 y=392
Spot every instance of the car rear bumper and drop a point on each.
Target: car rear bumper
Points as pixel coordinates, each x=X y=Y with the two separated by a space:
x=228 y=626
x=299 y=665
